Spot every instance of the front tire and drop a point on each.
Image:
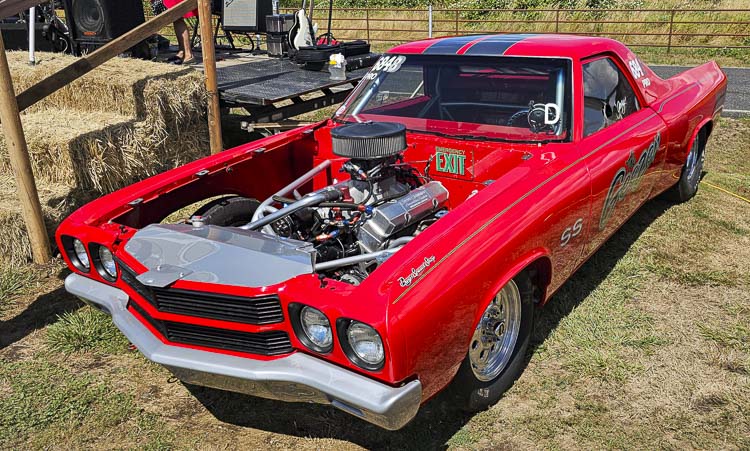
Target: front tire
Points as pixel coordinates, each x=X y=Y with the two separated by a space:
x=692 y=171
x=497 y=350
x=229 y=211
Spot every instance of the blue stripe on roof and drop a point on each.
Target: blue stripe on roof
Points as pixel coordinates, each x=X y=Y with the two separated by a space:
x=449 y=46
x=496 y=45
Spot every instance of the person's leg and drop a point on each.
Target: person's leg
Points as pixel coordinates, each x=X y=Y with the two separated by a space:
x=177 y=29
x=183 y=39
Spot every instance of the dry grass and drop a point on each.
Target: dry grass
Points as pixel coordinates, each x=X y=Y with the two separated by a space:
x=101 y=151
x=647 y=346
x=134 y=88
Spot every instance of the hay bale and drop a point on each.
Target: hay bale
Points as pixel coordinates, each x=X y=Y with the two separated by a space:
x=163 y=94
x=102 y=152
x=58 y=201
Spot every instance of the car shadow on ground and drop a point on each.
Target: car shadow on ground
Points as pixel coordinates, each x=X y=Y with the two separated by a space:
x=43 y=311
x=594 y=271
x=438 y=420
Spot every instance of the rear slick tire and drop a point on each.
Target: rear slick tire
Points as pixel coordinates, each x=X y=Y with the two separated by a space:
x=494 y=360
x=692 y=171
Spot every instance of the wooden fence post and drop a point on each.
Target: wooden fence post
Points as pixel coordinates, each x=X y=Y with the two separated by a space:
x=456 y=22
x=367 y=22
x=19 y=160
x=671 y=26
x=209 y=66
x=557 y=20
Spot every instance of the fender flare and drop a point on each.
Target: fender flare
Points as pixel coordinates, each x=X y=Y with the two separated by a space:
x=512 y=271
x=694 y=135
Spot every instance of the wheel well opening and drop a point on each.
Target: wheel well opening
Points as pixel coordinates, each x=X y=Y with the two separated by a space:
x=540 y=271
x=707 y=129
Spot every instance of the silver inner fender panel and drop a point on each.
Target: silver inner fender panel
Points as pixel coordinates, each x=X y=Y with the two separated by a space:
x=223 y=255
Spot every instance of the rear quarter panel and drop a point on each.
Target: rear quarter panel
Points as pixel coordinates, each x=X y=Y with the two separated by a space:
x=691 y=100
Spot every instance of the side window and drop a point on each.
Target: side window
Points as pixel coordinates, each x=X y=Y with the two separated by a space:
x=607 y=95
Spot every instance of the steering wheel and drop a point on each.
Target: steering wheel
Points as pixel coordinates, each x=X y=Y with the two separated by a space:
x=536 y=118
x=524 y=113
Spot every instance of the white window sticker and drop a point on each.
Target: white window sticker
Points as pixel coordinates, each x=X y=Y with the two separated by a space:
x=390 y=63
x=635 y=68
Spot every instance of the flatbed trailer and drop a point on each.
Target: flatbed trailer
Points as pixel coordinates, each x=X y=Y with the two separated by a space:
x=271 y=90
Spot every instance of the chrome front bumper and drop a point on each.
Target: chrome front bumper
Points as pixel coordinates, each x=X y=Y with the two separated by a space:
x=296 y=378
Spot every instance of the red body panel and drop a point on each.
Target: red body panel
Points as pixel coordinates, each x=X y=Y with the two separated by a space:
x=511 y=210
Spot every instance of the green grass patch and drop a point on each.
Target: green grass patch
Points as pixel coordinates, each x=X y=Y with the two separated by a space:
x=693 y=277
x=605 y=337
x=734 y=335
x=43 y=399
x=464 y=437
x=13 y=282
x=47 y=403
x=86 y=329
x=728 y=226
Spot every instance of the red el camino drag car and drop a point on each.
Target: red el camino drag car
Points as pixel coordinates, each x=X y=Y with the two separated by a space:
x=398 y=249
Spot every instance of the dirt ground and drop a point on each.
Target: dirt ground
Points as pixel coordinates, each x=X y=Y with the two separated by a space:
x=647 y=346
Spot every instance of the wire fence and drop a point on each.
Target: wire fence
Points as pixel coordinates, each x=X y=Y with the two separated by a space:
x=658 y=28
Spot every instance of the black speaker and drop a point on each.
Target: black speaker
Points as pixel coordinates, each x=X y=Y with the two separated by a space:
x=245 y=15
x=100 y=21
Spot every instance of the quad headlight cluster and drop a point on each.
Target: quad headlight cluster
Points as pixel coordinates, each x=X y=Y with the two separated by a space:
x=360 y=342
x=96 y=255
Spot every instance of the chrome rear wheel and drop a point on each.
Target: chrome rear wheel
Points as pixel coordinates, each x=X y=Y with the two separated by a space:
x=694 y=163
x=692 y=170
x=495 y=337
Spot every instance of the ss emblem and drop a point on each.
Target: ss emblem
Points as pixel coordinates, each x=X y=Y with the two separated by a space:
x=571 y=232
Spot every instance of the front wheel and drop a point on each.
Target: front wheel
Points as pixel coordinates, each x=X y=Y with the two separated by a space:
x=496 y=354
x=229 y=211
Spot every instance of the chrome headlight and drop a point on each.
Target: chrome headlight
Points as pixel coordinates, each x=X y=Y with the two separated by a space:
x=107 y=261
x=316 y=329
x=79 y=251
x=366 y=345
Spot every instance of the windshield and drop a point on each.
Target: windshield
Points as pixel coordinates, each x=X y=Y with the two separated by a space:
x=507 y=98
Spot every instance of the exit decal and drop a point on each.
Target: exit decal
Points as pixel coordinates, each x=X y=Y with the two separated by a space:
x=455 y=162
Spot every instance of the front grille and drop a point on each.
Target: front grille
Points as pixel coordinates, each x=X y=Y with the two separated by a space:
x=262 y=343
x=239 y=309
x=254 y=310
